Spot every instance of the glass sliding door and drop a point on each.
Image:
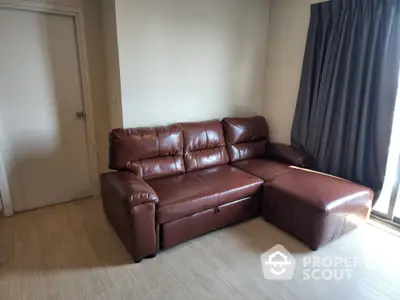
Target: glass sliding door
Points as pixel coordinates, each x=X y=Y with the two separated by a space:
x=396 y=218
x=388 y=204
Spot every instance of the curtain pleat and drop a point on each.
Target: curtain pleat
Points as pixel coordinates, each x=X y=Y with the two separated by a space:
x=348 y=88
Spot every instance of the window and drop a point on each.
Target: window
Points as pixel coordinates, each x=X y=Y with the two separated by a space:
x=388 y=205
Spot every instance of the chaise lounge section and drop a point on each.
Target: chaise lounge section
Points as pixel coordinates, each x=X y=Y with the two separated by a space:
x=181 y=181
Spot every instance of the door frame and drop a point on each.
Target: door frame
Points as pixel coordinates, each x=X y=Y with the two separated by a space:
x=76 y=12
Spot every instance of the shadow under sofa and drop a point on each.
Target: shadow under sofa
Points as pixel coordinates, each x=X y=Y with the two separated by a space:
x=181 y=181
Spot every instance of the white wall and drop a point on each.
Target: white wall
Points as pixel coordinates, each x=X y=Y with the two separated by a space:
x=288 y=29
x=112 y=63
x=183 y=60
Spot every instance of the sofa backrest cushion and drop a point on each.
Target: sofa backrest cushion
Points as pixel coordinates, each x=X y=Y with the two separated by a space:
x=204 y=145
x=246 y=137
x=148 y=152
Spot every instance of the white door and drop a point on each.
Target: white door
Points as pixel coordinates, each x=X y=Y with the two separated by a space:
x=44 y=145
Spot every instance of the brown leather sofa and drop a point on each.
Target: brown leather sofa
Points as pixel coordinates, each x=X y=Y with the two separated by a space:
x=177 y=182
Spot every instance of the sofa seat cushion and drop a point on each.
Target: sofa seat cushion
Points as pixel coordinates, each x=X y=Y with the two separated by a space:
x=315 y=207
x=263 y=168
x=197 y=191
x=322 y=192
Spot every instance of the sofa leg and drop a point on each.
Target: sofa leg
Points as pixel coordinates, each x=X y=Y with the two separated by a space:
x=138 y=260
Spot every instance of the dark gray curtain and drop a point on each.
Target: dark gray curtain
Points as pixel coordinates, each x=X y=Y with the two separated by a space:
x=348 y=88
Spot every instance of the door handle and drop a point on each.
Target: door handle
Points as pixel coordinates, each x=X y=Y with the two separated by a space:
x=81 y=114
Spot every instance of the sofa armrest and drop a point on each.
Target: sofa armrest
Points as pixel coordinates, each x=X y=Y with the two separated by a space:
x=129 y=204
x=128 y=187
x=290 y=155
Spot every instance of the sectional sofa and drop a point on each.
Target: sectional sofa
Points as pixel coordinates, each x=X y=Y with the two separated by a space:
x=174 y=183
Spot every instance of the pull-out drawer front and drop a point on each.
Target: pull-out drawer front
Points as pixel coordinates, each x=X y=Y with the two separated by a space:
x=184 y=229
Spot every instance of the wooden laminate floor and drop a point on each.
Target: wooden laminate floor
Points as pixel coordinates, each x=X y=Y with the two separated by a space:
x=70 y=252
